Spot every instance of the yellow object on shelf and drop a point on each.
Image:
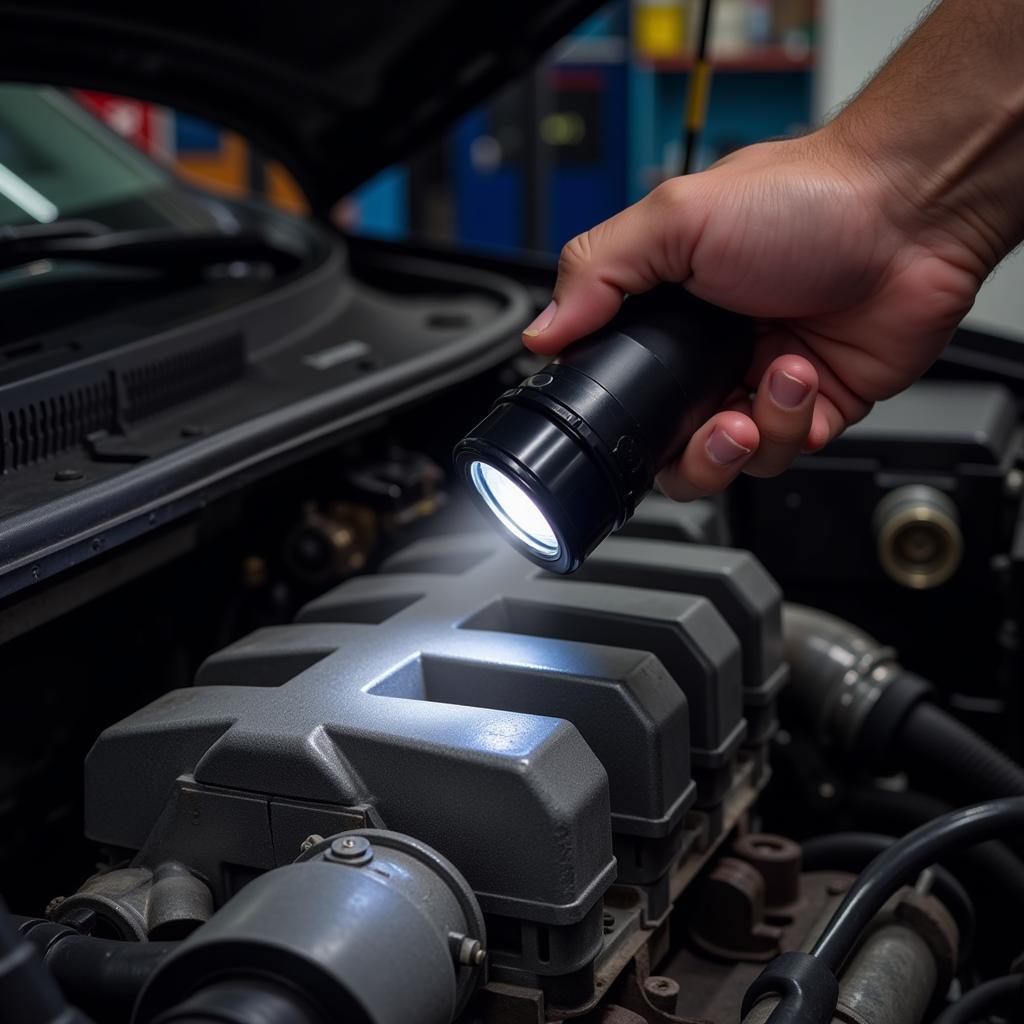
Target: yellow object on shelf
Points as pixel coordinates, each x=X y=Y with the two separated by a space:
x=661 y=28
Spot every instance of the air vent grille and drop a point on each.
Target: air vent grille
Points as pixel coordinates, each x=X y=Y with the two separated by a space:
x=40 y=422
x=163 y=383
x=35 y=431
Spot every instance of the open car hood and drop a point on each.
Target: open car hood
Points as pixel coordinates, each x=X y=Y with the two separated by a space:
x=334 y=89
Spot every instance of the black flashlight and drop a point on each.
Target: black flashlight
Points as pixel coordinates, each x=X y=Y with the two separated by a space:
x=563 y=459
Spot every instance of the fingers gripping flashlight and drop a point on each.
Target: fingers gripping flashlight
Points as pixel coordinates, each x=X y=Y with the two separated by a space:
x=563 y=459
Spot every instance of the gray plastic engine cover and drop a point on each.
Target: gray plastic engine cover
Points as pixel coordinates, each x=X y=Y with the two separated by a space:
x=460 y=736
x=735 y=581
x=509 y=718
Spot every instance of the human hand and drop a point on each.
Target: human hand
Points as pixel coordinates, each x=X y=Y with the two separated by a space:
x=854 y=289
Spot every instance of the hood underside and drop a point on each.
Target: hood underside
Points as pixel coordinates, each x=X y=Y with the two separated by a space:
x=334 y=90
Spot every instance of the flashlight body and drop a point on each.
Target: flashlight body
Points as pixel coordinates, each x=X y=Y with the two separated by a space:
x=585 y=436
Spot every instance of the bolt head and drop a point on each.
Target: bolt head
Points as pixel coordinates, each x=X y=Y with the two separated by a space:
x=661 y=985
x=470 y=952
x=351 y=849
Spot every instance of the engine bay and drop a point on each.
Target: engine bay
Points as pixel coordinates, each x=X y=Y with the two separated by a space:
x=325 y=748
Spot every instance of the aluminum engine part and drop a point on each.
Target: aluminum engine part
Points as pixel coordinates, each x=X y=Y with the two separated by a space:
x=370 y=925
x=137 y=903
x=811 y=527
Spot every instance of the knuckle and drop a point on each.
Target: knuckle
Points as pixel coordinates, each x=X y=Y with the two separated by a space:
x=576 y=254
x=782 y=436
x=668 y=195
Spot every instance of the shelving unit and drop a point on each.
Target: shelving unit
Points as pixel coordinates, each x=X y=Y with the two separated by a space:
x=629 y=101
x=760 y=89
x=595 y=127
x=767 y=59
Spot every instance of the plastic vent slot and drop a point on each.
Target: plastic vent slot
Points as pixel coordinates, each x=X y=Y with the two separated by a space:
x=36 y=431
x=164 y=383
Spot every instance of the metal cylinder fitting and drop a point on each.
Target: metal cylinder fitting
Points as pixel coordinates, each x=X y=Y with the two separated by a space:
x=904 y=959
x=917 y=532
x=368 y=926
x=330 y=543
x=140 y=903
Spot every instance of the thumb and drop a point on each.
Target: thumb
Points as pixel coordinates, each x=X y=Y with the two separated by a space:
x=647 y=243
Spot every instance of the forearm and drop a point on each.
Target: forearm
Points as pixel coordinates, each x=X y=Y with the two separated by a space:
x=942 y=126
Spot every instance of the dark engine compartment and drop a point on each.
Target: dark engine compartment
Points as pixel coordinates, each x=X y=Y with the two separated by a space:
x=347 y=757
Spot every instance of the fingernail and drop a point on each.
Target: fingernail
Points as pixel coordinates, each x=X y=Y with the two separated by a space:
x=543 y=322
x=723 y=449
x=787 y=390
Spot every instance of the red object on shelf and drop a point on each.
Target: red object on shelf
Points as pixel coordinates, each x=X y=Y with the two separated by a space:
x=773 y=59
x=138 y=122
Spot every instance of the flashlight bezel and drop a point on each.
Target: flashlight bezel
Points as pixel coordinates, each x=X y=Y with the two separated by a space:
x=554 y=437
x=539 y=546
x=564 y=560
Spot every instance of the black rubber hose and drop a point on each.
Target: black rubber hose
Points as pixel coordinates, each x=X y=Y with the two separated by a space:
x=939 y=747
x=991 y=869
x=102 y=976
x=806 y=983
x=853 y=851
x=851 y=692
x=999 y=995
x=28 y=992
x=903 y=861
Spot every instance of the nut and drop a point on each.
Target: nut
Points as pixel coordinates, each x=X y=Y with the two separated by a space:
x=661 y=993
x=351 y=850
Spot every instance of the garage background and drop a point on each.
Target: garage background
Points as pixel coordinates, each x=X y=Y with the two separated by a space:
x=592 y=129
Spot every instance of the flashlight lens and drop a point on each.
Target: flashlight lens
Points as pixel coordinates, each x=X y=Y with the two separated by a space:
x=515 y=509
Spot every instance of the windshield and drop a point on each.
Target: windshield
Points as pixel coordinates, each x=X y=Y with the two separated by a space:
x=59 y=164
x=56 y=162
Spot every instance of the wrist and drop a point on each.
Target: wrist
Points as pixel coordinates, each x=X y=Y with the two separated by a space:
x=953 y=192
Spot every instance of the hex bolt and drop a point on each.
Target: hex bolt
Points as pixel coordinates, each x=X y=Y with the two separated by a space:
x=466 y=950
x=310 y=841
x=661 y=992
x=351 y=850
